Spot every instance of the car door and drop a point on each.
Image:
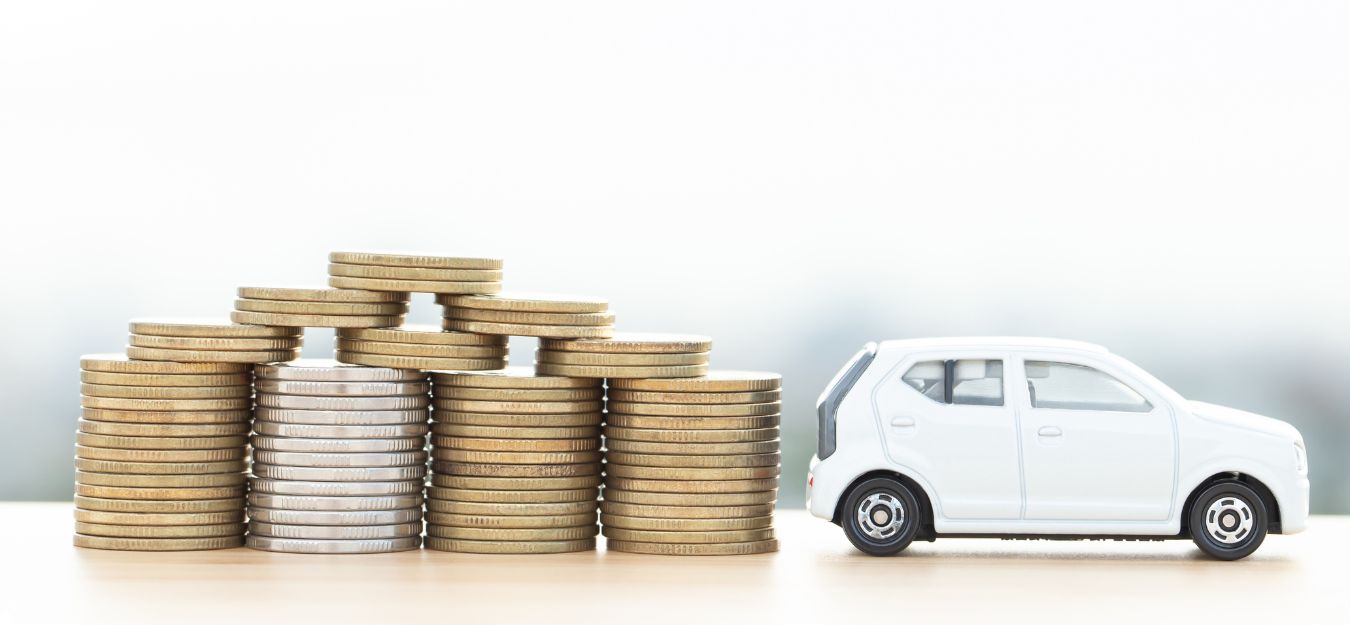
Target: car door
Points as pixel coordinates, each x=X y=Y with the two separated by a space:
x=945 y=418
x=1096 y=445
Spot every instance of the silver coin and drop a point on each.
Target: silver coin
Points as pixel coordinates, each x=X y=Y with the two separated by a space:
x=291 y=502
x=343 y=474
x=334 y=517
x=339 y=445
x=342 y=389
x=320 y=370
x=336 y=489
x=314 y=402
x=293 y=430
x=335 y=532
x=300 y=545
x=307 y=459
x=343 y=417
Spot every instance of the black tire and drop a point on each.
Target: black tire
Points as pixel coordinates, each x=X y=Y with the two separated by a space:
x=1228 y=520
x=881 y=516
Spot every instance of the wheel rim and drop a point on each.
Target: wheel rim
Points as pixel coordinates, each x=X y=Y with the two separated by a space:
x=1229 y=520
x=880 y=516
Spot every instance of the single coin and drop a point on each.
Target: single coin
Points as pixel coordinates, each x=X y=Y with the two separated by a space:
x=338 y=460
x=692 y=449
x=710 y=549
x=450 y=506
x=634 y=343
x=491 y=533
x=696 y=410
x=620 y=360
x=344 y=389
x=335 y=504
x=160 y=417
x=146 y=519
x=516 y=444
x=112 y=428
x=281 y=307
x=517 y=407
x=339 y=445
x=161 y=481
x=532 y=318
x=159 y=494
x=516 y=457
x=415 y=286
x=690 y=486
x=324 y=370
x=413 y=260
x=336 y=489
x=509 y=378
x=296 y=430
x=160 y=531
x=160 y=442
x=122 y=403
x=300 y=545
x=692 y=423
x=699 y=511
x=160 y=455
x=424 y=363
x=335 y=532
x=518 y=394
x=659 y=397
x=535 y=433
x=160 y=468
x=690 y=436
x=686 y=525
x=575 y=419
x=716 y=381
x=148 y=506
x=684 y=473
x=513 y=522
x=590 y=371
x=157 y=544
x=316 y=321
x=331 y=517
x=207 y=327
x=421 y=334
x=321 y=294
x=468 y=482
x=339 y=474
x=528 y=302
x=119 y=363
x=414 y=273
x=343 y=417
x=522 y=329
x=615 y=458
x=509 y=547
x=166 y=392
x=215 y=344
x=465 y=352
x=166 y=380
x=690 y=537
x=315 y=402
x=615 y=496
x=516 y=470
x=187 y=355
x=513 y=496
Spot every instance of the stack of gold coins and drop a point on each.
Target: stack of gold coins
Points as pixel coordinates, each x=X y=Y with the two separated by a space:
x=529 y=314
x=692 y=464
x=319 y=307
x=626 y=355
x=212 y=340
x=516 y=462
x=339 y=458
x=160 y=454
x=423 y=347
x=415 y=273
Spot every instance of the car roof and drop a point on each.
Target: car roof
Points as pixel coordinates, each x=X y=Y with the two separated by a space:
x=992 y=342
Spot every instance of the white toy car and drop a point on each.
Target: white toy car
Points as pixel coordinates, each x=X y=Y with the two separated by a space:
x=1042 y=438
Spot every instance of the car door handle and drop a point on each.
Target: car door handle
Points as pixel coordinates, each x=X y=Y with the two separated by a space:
x=902 y=422
x=1049 y=431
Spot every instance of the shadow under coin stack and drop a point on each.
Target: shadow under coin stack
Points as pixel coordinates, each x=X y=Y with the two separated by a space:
x=319 y=307
x=160 y=454
x=692 y=464
x=339 y=460
x=212 y=340
x=516 y=462
x=423 y=347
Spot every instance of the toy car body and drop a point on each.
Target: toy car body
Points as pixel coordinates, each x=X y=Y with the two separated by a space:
x=1017 y=437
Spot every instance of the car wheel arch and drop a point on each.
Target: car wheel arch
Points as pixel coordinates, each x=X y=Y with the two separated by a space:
x=925 y=531
x=1267 y=498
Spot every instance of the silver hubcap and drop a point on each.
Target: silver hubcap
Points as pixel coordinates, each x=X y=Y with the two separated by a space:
x=1229 y=520
x=881 y=515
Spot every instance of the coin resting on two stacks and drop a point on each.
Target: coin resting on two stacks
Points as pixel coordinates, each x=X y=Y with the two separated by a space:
x=212 y=340
x=319 y=307
x=528 y=314
x=422 y=347
x=414 y=273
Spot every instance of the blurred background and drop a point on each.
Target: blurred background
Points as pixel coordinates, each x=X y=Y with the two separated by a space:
x=793 y=178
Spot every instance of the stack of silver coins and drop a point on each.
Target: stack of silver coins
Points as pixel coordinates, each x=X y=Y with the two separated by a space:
x=339 y=458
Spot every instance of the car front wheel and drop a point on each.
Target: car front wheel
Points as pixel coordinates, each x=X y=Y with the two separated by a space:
x=881 y=516
x=1228 y=520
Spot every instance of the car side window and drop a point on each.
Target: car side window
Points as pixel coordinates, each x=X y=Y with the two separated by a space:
x=962 y=382
x=929 y=378
x=1065 y=386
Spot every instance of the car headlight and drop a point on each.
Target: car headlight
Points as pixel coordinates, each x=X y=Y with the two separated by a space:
x=1301 y=459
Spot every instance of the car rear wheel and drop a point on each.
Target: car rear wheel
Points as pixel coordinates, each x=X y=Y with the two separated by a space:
x=1228 y=520
x=881 y=516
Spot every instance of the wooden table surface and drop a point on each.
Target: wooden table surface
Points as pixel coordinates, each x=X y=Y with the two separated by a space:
x=817 y=575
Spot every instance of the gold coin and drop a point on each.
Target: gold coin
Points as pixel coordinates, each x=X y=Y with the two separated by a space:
x=507 y=547
x=532 y=318
x=692 y=461
x=146 y=506
x=519 y=394
x=716 y=381
x=522 y=329
x=158 y=544
x=414 y=349
x=687 y=473
x=283 y=307
x=489 y=533
x=690 y=486
x=515 y=457
x=528 y=302
x=516 y=470
x=620 y=360
x=658 y=397
x=413 y=260
x=190 y=417
x=160 y=380
x=174 y=405
x=321 y=295
x=485 y=431
x=613 y=433
x=697 y=511
x=189 y=355
x=692 y=449
x=414 y=273
x=586 y=371
x=468 y=482
x=165 y=392
x=692 y=423
x=316 y=321
x=415 y=286
x=159 y=494
x=690 y=537
x=517 y=407
x=161 y=481
x=696 y=410
x=512 y=522
x=160 y=442
x=513 y=496
x=575 y=419
x=422 y=334
x=211 y=328
x=214 y=344
x=686 y=525
x=155 y=429
x=710 y=549
x=510 y=378
x=516 y=444
x=145 y=519
x=687 y=500
x=419 y=362
x=159 y=531
x=120 y=364
x=635 y=343
x=159 y=468
x=160 y=455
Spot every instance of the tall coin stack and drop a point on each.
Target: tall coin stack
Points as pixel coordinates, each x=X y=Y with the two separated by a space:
x=692 y=464
x=414 y=273
x=339 y=460
x=423 y=347
x=528 y=314
x=319 y=307
x=160 y=454
x=516 y=462
x=626 y=355
x=212 y=340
